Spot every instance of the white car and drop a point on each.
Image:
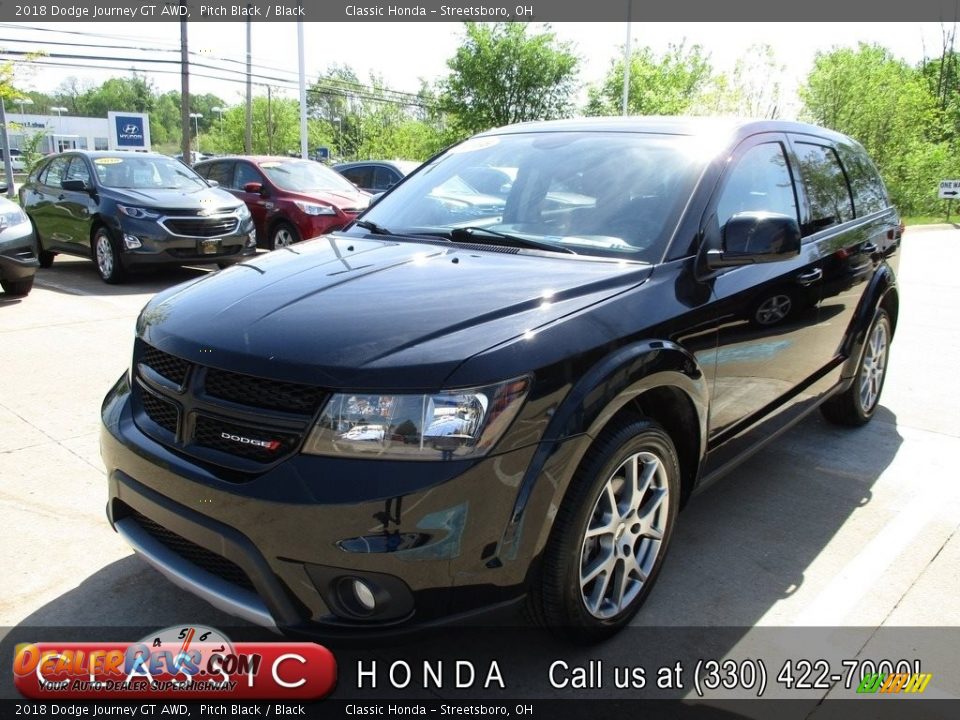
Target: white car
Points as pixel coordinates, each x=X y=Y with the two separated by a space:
x=16 y=161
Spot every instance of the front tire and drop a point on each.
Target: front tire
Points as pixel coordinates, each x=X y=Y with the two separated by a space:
x=17 y=287
x=611 y=533
x=44 y=256
x=283 y=235
x=107 y=258
x=857 y=404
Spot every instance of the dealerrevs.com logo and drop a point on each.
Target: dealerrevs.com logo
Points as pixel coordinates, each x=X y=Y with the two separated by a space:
x=188 y=662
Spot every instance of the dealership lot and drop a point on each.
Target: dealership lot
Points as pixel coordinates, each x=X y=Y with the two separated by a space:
x=824 y=527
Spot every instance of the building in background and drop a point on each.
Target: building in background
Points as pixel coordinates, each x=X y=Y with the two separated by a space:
x=120 y=131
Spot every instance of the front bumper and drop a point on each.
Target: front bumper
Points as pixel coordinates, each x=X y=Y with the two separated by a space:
x=18 y=259
x=156 y=244
x=277 y=548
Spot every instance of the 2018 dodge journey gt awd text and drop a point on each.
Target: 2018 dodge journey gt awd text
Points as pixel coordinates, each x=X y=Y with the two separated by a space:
x=458 y=404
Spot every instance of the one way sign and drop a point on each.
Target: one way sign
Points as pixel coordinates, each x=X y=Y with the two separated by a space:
x=949 y=189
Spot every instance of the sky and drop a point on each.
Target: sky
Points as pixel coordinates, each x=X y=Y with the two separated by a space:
x=403 y=53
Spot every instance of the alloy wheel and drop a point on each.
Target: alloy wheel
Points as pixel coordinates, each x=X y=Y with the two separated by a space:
x=282 y=238
x=874 y=366
x=105 y=258
x=773 y=309
x=624 y=535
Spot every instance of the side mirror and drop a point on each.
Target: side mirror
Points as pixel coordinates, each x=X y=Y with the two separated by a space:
x=213 y=183
x=3 y=188
x=756 y=237
x=253 y=187
x=75 y=185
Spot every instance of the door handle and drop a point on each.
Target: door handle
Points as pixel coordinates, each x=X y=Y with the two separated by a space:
x=61 y=197
x=810 y=276
x=869 y=248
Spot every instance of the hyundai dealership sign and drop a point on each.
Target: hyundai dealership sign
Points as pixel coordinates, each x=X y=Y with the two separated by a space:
x=129 y=131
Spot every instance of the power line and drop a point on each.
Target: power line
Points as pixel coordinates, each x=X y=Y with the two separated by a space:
x=284 y=84
x=361 y=87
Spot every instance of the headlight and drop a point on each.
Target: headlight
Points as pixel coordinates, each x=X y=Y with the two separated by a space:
x=314 y=208
x=9 y=218
x=138 y=213
x=243 y=212
x=448 y=425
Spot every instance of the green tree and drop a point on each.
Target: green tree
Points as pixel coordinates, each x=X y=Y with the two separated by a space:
x=668 y=84
x=888 y=106
x=502 y=74
x=754 y=88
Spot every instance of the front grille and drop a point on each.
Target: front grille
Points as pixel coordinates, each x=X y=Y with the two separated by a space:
x=191 y=552
x=201 y=227
x=260 y=392
x=163 y=413
x=172 y=368
x=233 y=414
x=210 y=433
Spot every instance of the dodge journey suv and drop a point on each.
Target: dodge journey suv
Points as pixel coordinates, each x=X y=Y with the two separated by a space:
x=458 y=404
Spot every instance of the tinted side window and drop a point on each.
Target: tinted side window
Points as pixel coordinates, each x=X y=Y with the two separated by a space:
x=869 y=192
x=78 y=170
x=384 y=178
x=359 y=176
x=247 y=173
x=202 y=170
x=222 y=172
x=760 y=181
x=826 y=186
x=55 y=172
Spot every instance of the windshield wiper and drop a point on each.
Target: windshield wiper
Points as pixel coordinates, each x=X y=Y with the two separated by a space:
x=474 y=234
x=372 y=227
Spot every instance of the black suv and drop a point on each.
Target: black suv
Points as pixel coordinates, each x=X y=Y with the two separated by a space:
x=454 y=405
x=129 y=209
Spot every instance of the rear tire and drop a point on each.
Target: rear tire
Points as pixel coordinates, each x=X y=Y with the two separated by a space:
x=857 y=404
x=17 y=287
x=611 y=533
x=107 y=257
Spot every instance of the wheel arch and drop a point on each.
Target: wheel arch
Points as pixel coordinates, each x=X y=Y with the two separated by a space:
x=657 y=379
x=881 y=292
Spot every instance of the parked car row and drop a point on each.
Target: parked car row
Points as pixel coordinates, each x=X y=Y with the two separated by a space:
x=129 y=210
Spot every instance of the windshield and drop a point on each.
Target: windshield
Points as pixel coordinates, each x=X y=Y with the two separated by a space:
x=138 y=172
x=305 y=176
x=595 y=193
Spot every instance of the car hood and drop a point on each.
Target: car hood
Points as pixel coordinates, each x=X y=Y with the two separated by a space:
x=359 y=313
x=189 y=199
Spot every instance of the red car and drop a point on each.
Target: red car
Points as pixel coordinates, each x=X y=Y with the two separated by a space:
x=290 y=199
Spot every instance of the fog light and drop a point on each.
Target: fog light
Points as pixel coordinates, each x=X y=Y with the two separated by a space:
x=364 y=595
x=132 y=242
x=252 y=239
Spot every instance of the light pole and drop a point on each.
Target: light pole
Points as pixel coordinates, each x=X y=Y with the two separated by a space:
x=23 y=101
x=220 y=111
x=196 y=123
x=339 y=122
x=58 y=110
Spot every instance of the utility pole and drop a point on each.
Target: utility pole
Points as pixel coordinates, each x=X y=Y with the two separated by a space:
x=184 y=95
x=303 y=94
x=5 y=146
x=248 y=132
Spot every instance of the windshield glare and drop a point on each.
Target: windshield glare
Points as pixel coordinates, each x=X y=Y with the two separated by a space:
x=304 y=176
x=595 y=193
x=146 y=173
